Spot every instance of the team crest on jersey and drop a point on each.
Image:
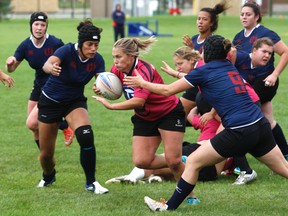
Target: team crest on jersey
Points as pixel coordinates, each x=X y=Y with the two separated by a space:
x=128 y=92
x=253 y=39
x=30 y=52
x=48 y=51
x=73 y=64
x=90 y=67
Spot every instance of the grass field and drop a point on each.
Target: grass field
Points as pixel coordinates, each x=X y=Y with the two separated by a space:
x=20 y=171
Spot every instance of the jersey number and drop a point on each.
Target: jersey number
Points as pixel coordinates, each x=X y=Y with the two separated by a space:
x=237 y=81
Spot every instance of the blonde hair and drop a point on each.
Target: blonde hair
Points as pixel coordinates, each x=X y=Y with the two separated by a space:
x=135 y=46
x=188 y=53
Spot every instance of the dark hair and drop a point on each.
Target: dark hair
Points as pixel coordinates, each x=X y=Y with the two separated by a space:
x=256 y=9
x=88 y=32
x=218 y=8
x=216 y=47
x=38 y=16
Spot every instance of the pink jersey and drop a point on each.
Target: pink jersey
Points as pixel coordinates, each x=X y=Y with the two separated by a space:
x=253 y=95
x=156 y=106
x=208 y=131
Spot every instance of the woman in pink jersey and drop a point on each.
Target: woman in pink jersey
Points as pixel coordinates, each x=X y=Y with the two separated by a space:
x=156 y=118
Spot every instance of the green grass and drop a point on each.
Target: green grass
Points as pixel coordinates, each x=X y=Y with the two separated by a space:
x=20 y=171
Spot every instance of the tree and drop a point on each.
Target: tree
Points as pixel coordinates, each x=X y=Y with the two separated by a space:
x=5 y=8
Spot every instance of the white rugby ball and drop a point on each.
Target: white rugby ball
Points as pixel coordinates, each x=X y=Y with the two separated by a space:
x=109 y=85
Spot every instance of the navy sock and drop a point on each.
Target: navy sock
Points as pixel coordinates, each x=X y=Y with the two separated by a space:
x=88 y=160
x=280 y=139
x=63 y=125
x=243 y=164
x=48 y=178
x=183 y=189
x=85 y=138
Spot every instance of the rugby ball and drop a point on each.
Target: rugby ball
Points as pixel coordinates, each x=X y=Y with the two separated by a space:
x=109 y=85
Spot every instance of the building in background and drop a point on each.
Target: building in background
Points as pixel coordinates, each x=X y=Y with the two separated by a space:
x=29 y=6
x=134 y=8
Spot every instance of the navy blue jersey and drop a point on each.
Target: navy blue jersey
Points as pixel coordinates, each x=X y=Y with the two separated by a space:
x=244 y=66
x=223 y=88
x=118 y=17
x=75 y=74
x=37 y=56
x=197 y=46
x=245 y=43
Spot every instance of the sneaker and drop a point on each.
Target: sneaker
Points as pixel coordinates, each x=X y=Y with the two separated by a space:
x=154 y=205
x=192 y=200
x=68 y=135
x=154 y=179
x=244 y=178
x=117 y=180
x=43 y=183
x=129 y=180
x=96 y=188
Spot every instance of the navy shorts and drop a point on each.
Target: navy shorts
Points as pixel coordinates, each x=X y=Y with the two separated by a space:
x=190 y=94
x=265 y=93
x=35 y=92
x=173 y=121
x=51 y=111
x=256 y=139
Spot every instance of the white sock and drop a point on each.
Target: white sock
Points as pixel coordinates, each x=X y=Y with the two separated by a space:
x=136 y=173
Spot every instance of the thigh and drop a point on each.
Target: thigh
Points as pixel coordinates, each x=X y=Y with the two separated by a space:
x=267 y=110
x=77 y=118
x=47 y=137
x=32 y=118
x=144 y=148
x=172 y=141
x=275 y=161
x=31 y=105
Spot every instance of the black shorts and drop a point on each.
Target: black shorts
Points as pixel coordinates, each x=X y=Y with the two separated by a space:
x=202 y=106
x=35 y=92
x=208 y=173
x=190 y=94
x=256 y=139
x=173 y=121
x=265 y=93
x=51 y=111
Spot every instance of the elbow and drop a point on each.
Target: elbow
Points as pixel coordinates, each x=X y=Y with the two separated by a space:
x=167 y=92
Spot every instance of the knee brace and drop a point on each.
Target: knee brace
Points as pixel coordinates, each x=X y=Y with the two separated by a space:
x=85 y=137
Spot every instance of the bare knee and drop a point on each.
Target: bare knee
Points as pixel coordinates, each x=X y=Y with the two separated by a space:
x=142 y=163
x=32 y=125
x=46 y=156
x=174 y=163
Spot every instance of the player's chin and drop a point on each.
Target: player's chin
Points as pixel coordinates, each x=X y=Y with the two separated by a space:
x=90 y=55
x=38 y=36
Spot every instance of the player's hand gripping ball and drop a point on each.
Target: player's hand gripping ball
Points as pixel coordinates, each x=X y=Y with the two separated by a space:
x=109 y=85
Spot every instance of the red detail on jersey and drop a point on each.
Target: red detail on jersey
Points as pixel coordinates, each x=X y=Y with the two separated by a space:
x=237 y=81
x=73 y=64
x=90 y=67
x=30 y=52
x=48 y=51
x=253 y=39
